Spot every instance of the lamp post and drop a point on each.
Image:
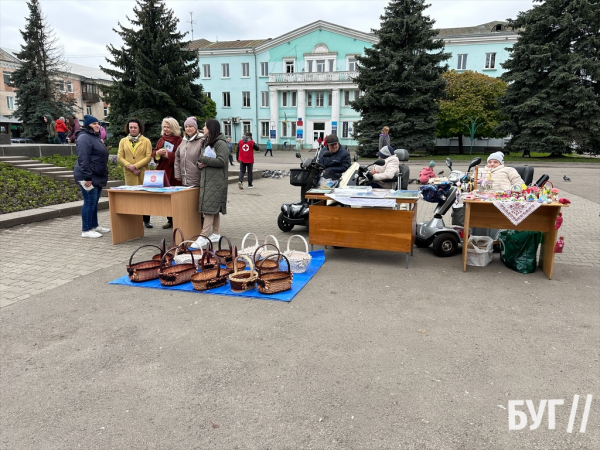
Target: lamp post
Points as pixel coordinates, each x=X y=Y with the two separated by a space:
x=472 y=126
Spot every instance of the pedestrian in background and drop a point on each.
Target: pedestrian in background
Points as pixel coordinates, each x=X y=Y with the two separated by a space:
x=74 y=127
x=135 y=152
x=269 y=148
x=246 y=148
x=51 y=128
x=61 y=130
x=230 y=148
x=384 y=138
x=164 y=154
x=91 y=175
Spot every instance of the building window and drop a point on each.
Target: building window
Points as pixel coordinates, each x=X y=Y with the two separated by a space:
x=309 y=98
x=264 y=129
x=490 y=60
x=351 y=64
x=226 y=100
x=205 y=70
x=329 y=98
x=61 y=86
x=320 y=65
x=88 y=110
x=294 y=99
x=346 y=97
x=245 y=70
x=70 y=87
x=208 y=94
x=319 y=99
x=264 y=69
x=225 y=70
x=331 y=61
x=288 y=129
x=309 y=65
x=6 y=76
x=264 y=99
x=227 y=127
x=10 y=102
x=289 y=67
x=246 y=126
x=246 y=99
x=106 y=111
x=284 y=99
x=462 y=62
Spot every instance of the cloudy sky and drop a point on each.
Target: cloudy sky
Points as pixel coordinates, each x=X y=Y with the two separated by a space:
x=84 y=28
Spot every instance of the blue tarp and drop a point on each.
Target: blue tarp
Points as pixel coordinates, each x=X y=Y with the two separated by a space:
x=299 y=281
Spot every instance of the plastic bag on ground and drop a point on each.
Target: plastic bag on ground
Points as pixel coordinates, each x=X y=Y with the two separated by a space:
x=480 y=251
x=518 y=249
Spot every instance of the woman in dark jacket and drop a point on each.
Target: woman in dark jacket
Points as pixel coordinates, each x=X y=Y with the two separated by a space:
x=73 y=129
x=213 y=162
x=91 y=174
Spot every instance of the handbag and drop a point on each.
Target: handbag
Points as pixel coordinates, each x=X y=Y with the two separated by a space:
x=173 y=275
x=274 y=282
x=298 y=260
x=209 y=278
x=270 y=265
x=243 y=280
x=144 y=270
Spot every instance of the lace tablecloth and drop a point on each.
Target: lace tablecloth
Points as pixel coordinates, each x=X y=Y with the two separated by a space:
x=517 y=212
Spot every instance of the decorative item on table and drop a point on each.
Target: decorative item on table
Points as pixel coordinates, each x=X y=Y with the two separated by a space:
x=240 y=265
x=564 y=201
x=224 y=255
x=209 y=278
x=274 y=282
x=266 y=252
x=163 y=249
x=173 y=275
x=144 y=270
x=560 y=244
x=249 y=250
x=243 y=280
x=270 y=265
x=298 y=260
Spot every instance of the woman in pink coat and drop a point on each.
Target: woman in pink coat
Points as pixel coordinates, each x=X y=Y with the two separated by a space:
x=427 y=173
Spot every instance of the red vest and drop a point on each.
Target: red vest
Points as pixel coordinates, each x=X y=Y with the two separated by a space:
x=246 y=151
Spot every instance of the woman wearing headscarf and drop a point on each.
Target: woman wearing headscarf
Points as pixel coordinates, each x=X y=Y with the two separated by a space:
x=164 y=154
x=427 y=172
x=135 y=152
x=91 y=175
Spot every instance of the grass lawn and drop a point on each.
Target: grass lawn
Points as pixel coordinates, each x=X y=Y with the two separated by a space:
x=535 y=157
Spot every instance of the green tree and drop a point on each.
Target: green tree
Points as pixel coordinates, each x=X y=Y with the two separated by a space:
x=553 y=97
x=401 y=80
x=470 y=98
x=153 y=74
x=36 y=79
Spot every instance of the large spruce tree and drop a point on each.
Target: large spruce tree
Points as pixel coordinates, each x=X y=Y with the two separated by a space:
x=153 y=72
x=401 y=78
x=36 y=80
x=553 y=97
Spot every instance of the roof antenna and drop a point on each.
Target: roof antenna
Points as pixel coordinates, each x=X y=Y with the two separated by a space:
x=192 y=23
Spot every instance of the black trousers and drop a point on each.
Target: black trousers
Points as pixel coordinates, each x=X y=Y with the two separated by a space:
x=243 y=167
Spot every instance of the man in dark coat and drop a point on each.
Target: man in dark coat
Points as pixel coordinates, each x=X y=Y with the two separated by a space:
x=338 y=162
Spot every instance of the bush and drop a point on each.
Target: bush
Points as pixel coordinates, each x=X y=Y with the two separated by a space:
x=115 y=171
x=23 y=190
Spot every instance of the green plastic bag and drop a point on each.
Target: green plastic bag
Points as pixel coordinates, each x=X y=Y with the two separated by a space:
x=518 y=249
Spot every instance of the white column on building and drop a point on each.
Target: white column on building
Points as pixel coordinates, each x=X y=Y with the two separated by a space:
x=274 y=110
x=335 y=109
x=301 y=99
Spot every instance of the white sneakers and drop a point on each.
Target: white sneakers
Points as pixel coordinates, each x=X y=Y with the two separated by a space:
x=200 y=242
x=240 y=185
x=214 y=237
x=90 y=234
x=100 y=229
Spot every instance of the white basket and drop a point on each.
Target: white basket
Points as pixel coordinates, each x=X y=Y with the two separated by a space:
x=299 y=261
x=266 y=253
x=186 y=258
x=248 y=251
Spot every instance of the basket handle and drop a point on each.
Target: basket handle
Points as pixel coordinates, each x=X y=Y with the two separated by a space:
x=256 y=252
x=228 y=242
x=280 y=256
x=180 y=246
x=301 y=237
x=135 y=251
x=175 y=231
x=163 y=246
x=244 y=240
x=205 y=256
x=162 y=260
x=274 y=238
x=235 y=271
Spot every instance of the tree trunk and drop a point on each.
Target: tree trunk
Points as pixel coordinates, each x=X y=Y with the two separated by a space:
x=461 y=148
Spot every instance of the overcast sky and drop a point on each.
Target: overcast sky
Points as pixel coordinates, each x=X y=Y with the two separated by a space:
x=84 y=28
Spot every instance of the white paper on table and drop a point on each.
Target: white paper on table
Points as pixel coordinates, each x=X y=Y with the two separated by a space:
x=351 y=201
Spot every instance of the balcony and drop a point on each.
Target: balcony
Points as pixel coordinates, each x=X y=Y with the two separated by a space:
x=90 y=97
x=313 y=77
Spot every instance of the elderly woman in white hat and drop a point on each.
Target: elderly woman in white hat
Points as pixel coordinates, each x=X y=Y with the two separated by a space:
x=387 y=172
x=502 y=178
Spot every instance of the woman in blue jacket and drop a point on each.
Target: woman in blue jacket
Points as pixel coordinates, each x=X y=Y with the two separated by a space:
x=91 y=174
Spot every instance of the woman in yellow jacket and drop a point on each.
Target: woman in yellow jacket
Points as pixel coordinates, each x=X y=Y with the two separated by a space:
x=135 y=152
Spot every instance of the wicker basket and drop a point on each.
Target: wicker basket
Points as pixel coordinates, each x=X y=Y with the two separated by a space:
x=274 y=282
x=299 y=261
x=244 y=280
x=224 y=255
x=248 y=251
x=145 y=270
x=240 y=265
x=270 y=265
x=267 y=252
x=184 y=253
x=209 y=278
x=173 y=275
x=163 y=249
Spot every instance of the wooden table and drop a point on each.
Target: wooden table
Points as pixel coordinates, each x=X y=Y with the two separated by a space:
x=484 y=214
x=126 y=207
x=369 y=228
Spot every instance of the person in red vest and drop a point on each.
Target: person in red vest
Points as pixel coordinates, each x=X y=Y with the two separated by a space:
x=246 y=148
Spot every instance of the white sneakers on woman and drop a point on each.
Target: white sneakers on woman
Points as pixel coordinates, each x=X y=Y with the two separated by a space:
x=100 y=229
x=90 y=234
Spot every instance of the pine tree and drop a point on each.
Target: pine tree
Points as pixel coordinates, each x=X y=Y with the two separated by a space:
x=36 y=79
x=155 y=72
x=553 y=98
x=401 y=80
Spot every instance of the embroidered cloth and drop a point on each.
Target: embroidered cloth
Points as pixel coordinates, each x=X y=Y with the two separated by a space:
x=517 y=212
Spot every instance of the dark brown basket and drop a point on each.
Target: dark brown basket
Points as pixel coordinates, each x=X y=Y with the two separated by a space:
x=274 y=282
x=173 y=275
x=240 y=265
x=224 y=255
x=209 y=278
x=243 y=280
x=270 y=265
x=145 y=270
x=199 y=252
x=163 y=249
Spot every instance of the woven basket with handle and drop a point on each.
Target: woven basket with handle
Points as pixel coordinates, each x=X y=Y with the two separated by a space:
x=243 y=280
x=270 y=265
x=267 y=251
x=274 y=282
x=248 y=251
x=209 y=278
x=173 y=275
x=224 y=254
x=299 y=260
x=144 y=270
x=239 y=264
x=163 y=249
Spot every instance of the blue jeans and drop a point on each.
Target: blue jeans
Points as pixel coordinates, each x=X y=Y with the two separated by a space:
x=89 y=210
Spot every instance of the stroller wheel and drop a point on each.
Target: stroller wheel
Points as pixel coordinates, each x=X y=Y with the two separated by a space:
x=282 y=224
